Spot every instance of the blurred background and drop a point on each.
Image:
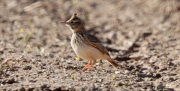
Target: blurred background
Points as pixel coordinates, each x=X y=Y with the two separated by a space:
x=114 y=21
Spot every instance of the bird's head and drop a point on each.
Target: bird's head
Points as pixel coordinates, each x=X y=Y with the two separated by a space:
x=75 y=23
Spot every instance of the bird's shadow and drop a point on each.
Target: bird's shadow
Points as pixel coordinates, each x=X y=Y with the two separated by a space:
x=131 y=49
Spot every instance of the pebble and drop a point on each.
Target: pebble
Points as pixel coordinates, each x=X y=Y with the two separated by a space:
x=126 y=72
x=27 y=68
x=99 y=80
x=8 y=81
x=117 y=72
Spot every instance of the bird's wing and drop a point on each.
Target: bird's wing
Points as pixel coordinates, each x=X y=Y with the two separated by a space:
x=93 y=41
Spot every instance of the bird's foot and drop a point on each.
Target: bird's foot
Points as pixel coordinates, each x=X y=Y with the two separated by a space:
x=86 y=67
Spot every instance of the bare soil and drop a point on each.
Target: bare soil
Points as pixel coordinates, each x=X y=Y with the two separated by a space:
x=142 y=36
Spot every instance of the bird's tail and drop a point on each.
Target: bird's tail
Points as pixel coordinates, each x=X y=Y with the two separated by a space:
x=112 y=62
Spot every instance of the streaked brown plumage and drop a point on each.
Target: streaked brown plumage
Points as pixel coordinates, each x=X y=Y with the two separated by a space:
x=85 y=45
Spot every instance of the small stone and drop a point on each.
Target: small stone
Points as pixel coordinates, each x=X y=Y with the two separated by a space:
x=99 y=80
x=37 y=89
x=177 y=62
x=1 y=52
x=8 y=81
x=112 y=35
x=153 y=59
x=107 y=27
x=117 y=72
x=158 y=75
x=27 y=68
x=22 y=89
x=33 y=81
x=126 y=72
x=130 y=43
x=162 y=68
x=51 y=55
x=55 y=89
x=160 y=86
x=96 y=85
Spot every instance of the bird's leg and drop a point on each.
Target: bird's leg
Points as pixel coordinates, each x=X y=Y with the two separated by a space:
x=87 y=66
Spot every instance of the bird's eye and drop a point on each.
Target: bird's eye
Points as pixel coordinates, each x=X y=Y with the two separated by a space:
x=72 y=21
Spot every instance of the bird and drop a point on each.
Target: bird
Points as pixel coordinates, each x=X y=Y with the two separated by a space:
x=85 y=45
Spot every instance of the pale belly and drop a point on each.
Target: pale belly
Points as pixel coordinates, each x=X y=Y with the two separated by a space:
x=87 y=52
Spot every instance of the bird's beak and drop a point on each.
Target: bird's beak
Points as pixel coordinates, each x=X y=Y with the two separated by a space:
x=64 y=22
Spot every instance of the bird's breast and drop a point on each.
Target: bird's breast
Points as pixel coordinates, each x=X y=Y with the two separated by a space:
x=84 y=50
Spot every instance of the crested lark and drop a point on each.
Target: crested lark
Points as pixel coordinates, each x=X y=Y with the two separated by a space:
x=86 y=46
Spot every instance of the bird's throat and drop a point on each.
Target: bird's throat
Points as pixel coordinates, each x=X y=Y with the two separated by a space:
x=80 y=29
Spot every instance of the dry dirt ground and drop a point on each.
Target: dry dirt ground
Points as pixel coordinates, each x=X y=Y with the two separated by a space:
x=142 y=36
